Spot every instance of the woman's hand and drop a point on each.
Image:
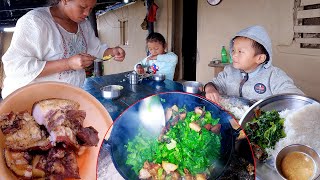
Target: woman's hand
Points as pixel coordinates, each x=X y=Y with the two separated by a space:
x=212 y=93
x=118 y=53
x=80 y=61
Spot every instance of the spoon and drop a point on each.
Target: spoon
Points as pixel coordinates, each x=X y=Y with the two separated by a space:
x=105 y=58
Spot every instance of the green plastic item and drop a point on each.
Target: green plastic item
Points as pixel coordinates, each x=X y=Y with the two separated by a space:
x=224 y=55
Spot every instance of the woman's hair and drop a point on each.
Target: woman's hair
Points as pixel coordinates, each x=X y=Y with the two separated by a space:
x=53 y=2
x=156 y=37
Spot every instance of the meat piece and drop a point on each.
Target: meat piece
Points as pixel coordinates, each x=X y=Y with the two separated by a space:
x=257 y=112
x=208 y=126
x=201 y=177
x=250 y=169
x=9 y=123
x=88 y=136
x=62 y=163
x=64 y=121
x=188 y=175
x=169 y=167
x=194 y=126
x=65 y=135
x=174 y=175
x=216 y=129
x=258 y=152
x=19 y=163
x=199 y=110
x=75 y=119
x=44 y=109
x=144 y=174
x=183 y=115
x=38 y=166
x=23 y=133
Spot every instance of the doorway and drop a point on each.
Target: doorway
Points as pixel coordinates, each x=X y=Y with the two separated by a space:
x=189 y=39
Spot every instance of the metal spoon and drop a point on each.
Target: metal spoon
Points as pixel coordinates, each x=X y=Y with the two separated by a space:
x=105 y=58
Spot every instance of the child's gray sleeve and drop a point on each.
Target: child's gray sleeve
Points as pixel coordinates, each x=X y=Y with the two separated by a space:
x=281 y=83
x=220 y=82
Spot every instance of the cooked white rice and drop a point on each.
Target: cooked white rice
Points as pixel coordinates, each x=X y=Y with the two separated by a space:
x=234 y=107
x=301 y=126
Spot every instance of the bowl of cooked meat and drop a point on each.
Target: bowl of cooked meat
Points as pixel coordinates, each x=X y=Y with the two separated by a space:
x=51 y=130
x=173 y=135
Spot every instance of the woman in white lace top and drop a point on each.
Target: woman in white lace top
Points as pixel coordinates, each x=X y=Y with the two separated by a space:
x=54 y=43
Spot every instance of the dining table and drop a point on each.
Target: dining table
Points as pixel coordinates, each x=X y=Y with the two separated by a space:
x=130 y=94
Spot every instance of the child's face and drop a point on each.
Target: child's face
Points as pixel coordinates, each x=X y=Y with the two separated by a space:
x=243 y=55
x=155 y=48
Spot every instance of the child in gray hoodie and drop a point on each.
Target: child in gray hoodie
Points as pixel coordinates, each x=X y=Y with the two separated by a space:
x=251 y=74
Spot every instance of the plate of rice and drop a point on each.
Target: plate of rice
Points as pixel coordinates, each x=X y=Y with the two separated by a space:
x=299 y=119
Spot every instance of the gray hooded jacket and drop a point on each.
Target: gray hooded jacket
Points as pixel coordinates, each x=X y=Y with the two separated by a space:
x=264 y=81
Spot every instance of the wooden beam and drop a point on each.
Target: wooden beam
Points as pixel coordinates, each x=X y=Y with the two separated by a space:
x=308 y=13
x=309 y=2
x=306 y=29
x=308 y=40
x=301 y=51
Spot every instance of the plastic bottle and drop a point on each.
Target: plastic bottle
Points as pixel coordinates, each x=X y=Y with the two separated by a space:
x=224 y=55
x=230 y=58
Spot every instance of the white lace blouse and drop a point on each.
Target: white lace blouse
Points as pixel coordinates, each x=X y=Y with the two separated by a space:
x=38 y=39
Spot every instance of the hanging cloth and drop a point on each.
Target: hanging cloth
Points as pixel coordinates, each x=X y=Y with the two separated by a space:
x=152 y=13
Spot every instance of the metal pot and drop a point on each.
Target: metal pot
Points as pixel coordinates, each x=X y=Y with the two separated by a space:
x=192 y=87
x=111 y=91
x=159 y=77
x=134 y=77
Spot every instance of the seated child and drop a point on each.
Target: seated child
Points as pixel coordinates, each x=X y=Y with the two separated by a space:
x=158 y=61
x=251 y=74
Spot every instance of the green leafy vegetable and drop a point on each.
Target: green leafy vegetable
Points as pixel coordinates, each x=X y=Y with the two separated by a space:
x=266 y=130
x=195 y=151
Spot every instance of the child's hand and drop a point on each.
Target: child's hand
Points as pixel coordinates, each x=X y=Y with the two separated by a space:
x=212 y=94
x=140 y=69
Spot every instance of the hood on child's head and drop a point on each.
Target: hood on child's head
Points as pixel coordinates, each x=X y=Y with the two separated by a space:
x=258 y=34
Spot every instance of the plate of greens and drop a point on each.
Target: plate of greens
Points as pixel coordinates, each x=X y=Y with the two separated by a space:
x=191 y=137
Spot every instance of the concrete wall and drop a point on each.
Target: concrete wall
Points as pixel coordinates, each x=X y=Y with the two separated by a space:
x=217 y=24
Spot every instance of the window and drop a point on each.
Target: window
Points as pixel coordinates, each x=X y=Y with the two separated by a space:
x=124 y=32
x=307 y=24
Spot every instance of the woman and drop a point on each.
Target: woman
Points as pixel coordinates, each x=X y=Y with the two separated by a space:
x=54 y=43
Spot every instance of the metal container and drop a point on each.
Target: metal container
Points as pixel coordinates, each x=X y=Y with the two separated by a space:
x=266 y=170
x=133 y=77
x=298 y=148
x=111 y=91
x=98 y=67
x=192 y=87
x=159 y=77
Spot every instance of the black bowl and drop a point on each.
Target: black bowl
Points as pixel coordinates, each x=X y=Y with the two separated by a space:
x=126 y=127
